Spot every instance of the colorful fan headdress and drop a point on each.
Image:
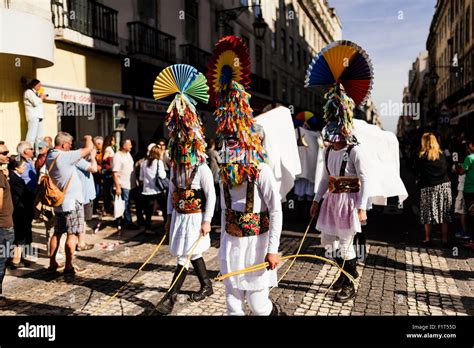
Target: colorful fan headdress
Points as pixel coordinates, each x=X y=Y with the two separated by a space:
x=344 y=68
x=228 y=77
x=187 y=146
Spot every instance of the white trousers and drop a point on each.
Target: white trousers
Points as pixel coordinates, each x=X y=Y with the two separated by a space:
x=338 y=247
x=258 y=301
x=182 y=259
x=35 y=131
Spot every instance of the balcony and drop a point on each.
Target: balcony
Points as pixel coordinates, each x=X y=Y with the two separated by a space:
x=87 y=17
x=260 y=85
x=196 y=57
x=149 y=41
x=26 y=33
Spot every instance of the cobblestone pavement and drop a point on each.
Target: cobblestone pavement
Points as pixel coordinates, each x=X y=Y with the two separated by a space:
x=397 y=276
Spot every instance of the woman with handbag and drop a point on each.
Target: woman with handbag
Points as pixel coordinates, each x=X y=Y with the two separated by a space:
x=152 y=172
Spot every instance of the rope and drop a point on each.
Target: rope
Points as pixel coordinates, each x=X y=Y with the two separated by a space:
x=186 y=263
x=264 y=265
x=297 y=253
x=138 y=271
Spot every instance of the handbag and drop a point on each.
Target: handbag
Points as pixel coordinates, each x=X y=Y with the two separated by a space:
x=119 y=207
x=162 y=184
x=49 y=193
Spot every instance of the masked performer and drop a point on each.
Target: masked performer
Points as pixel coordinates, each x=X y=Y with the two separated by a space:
x=191 y=195
x=252 y=215
x=344 y=182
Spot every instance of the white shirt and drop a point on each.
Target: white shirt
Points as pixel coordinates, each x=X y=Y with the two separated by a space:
x=356 y=166
x=33 y=104
x=266 y=197
x=123 y=165
x=148 y=175
x=202 y=180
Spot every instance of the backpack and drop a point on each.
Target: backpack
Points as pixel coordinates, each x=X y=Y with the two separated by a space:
x=49 y=193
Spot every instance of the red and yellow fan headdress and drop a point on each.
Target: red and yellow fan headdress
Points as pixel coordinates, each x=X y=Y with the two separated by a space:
x=228 y=77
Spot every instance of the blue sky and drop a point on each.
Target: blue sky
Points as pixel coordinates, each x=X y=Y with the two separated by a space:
x=392 y=43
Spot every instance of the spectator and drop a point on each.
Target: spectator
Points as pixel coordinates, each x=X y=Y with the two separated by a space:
x=436 y=198
x=7 y=234
x=107 y=174
x=33 y=101
x=70 y=214
x=89 y=194
x=98 y=143
x=136 y=193
x=468 y=190
x=150 y=168
x=124 y=178
x=29 y=176
x=23 y=199
x=43 y=148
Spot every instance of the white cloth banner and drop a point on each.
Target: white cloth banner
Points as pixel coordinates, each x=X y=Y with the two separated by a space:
x=280 y=145
x=382 y=153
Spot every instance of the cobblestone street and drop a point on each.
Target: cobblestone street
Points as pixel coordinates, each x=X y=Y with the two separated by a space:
x=396 y=278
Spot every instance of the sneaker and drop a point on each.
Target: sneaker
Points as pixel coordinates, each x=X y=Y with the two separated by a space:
x=84 y=247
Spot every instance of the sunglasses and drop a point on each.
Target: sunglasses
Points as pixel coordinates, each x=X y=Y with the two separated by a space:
x=4 y=153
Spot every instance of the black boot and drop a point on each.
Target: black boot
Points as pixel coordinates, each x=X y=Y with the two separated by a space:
x=275 y=312
x=338 y=284
x=165 y=306
x=206 y=284
x=347 y=291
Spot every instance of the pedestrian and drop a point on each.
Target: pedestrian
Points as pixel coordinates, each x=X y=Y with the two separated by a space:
x=43 y=212
x=89 y=194
x=98 y=144
x=467 y=169
x=435 y=188
x=23 y=199
x=124 y=178
x=150 y=168
x=136 y=192
x=33 y=101
x=7 y=233
x=252 y=222
x=107 y=174
x=191 y=200
x=29 y=176
x=62 y=163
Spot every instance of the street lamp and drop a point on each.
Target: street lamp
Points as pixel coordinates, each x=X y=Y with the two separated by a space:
x=259 y=26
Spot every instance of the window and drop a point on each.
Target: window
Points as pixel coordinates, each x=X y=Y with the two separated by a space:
x=283 y=43
x=284 y=92
x=259 y=59
x=257 y=11
x=191 y=9
x=292 y=50
x=148 y=12
x=292 y=93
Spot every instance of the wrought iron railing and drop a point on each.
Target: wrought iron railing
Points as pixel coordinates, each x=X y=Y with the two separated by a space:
x=87 y=17
x=195 y=56
x=147 y=40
